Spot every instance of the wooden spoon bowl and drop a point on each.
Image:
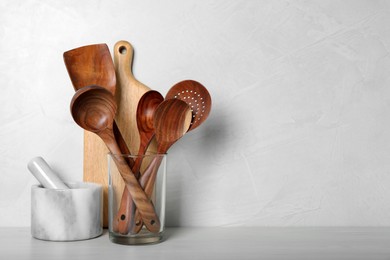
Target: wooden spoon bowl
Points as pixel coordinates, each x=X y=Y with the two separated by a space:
x=94 y=109
x=147 y=105
x=172 y=119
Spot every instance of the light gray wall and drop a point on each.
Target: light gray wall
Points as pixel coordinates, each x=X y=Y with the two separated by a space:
x=299 y=133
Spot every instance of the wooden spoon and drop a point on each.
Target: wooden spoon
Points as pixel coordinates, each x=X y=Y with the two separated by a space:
x=86 y=66
x=94 y=108
x=145 y=111
x=172 y=119
x=93 y=65
x=147 y=106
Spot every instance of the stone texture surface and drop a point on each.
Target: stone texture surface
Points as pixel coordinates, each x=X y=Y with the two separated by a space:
x=67 y=214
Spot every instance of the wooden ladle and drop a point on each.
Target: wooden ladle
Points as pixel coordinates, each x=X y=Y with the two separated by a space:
x=93 y=65
x=145 y=112
x=94 y=108
x=172 y=119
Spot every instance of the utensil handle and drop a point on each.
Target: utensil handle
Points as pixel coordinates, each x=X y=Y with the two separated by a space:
x=140 y=199
x=124 y=219
x=147 y=181
x=121 y=220
x=125 y=215
x=123 y=146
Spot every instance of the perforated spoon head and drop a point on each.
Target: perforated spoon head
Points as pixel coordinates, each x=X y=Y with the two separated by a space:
x=172 y=119
x=196 y=96
x=93 y=108
x=91 y=65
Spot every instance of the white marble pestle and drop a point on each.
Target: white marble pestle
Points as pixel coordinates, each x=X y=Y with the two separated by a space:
x=44 y=174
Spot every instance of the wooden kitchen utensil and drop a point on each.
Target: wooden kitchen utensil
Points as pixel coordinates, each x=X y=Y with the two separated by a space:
x=93 y=65
x=145 y=114
x=172 y=120
x=146 y=108
x=94 y=108
x=196 y=96
x=199 y=100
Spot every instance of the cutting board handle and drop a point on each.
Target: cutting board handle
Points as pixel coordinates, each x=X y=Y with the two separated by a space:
x=123 y=59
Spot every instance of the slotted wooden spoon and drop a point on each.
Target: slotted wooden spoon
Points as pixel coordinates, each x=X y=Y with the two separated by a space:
x=196 y=96
x=94 y=109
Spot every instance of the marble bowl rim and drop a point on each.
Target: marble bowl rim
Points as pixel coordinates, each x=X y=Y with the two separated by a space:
x=73 y=185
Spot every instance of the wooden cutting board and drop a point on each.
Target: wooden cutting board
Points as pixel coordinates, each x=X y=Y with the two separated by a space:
x=128 y=92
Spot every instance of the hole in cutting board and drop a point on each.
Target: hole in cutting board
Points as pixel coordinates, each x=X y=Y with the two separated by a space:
x=122 y=50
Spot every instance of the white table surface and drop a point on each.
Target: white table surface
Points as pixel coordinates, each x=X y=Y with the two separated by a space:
x=212 y=243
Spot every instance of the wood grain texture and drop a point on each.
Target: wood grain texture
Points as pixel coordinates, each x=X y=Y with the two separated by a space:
x=93 y=65
x=94 y=109
x=196 y=96
x=147 y=105
x=171 y=121
x=95 y=167
x=123 y=220
x=90 y=65
x=128 y=93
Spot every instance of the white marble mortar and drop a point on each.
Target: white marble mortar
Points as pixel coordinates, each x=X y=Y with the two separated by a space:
x=67 y=214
